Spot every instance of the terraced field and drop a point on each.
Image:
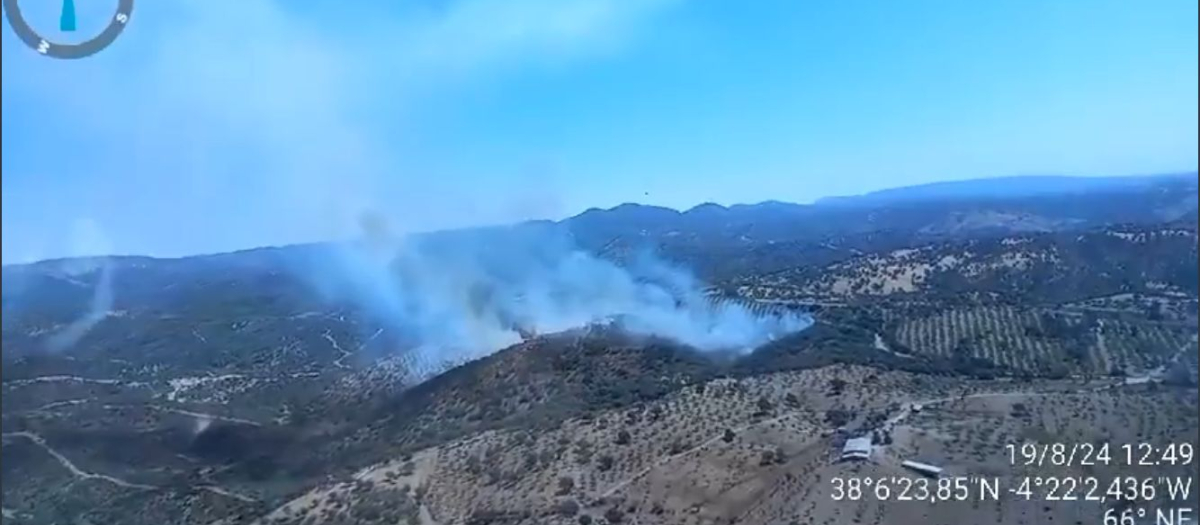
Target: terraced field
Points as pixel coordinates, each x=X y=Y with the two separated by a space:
x=726 y=451
x=1042 y=340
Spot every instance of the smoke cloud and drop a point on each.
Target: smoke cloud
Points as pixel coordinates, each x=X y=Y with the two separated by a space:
x=186 y=115
x=98 y=309
x=87 y=241
x=292 y=118
x=462 y=295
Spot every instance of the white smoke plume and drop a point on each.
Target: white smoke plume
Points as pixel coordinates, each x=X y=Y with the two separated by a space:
x=465 y=294
x=275 y=138
x=87 y=242
x=291 y=133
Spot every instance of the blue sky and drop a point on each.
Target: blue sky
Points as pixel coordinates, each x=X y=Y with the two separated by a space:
x=212 y=125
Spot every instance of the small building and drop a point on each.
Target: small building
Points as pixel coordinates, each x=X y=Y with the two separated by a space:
x=923 y=468
x=858 y=448
x=916 y=407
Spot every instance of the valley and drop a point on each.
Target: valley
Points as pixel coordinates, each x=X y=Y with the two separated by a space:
x=223 y=390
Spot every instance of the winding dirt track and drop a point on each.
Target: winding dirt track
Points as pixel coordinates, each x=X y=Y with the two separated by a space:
x=82 y=474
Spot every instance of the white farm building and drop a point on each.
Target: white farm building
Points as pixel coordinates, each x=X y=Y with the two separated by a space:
x=858 y=448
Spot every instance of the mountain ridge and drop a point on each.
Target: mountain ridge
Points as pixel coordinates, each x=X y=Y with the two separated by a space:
x=1010 y=186
x=611 y=222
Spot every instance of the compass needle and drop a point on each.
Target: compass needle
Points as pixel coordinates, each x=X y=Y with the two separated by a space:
x=67 y=21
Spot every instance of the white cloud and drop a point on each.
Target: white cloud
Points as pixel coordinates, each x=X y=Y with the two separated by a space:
x=480 y=33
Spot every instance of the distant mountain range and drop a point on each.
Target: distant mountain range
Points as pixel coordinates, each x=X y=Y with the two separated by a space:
x=1079 y=200
x=1018 y=203
x=718 y=241
x=719 y=244
x=1012 y=187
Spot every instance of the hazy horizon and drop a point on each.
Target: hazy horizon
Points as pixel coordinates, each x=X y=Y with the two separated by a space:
x=576 y=213
x=201 y=132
